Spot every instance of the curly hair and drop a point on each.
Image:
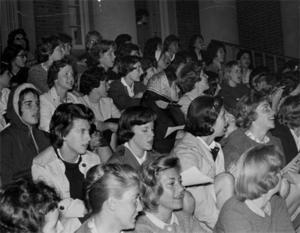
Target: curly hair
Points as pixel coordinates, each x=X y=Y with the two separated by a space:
x=246 y=109
x=202 y=115
x=132 y=116
x=289 y=112
x=54 y=70
x=151 y=189
x=127 y=64
x=91 y=78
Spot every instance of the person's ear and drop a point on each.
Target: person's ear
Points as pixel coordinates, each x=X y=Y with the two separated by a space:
x=111 y=203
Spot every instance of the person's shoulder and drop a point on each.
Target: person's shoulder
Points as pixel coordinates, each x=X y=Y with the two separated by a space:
x=45 y=157
x=37 y=67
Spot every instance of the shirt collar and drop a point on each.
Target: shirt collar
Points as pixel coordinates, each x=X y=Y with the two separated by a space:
x=140 y=160
x=156 y=221
x=129 y=89
x=209 y=147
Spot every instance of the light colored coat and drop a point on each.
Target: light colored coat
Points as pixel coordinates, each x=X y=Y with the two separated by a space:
x=49 y=101
x=192 y=152
x=49 y=168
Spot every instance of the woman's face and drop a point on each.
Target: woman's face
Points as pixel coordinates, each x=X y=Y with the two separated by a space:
x=245 y=60
x=20 y=59
x=173 y=191
x=20 y=40
x=107 y=59
x=77 y=140
x=30 y=109
x=127 y=208
x=91 y=41
x=173 y=47
x=58 y=53
x=199 y=43
x=163 y=62
x=143 y=136
x=65 y=78
x=221 y=125
x=136 y=73
x=220 y=56
x=265 y=116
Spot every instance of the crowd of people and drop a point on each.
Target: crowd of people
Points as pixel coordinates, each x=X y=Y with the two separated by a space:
x=155 y=139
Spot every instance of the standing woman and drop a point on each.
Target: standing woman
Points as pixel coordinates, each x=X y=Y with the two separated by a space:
x=16 y=56
x=256 y=207
x=50 y=50
x=64 y=164
x=162 y=196
x=112 y=197
x=60 y=81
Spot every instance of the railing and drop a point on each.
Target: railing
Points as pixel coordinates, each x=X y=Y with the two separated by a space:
x=259 y=58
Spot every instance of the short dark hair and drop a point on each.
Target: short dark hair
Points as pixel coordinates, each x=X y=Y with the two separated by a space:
x=151 y=188
x=246 y=106
x=132 y=116
x=127 y=63
x=91 y=78
x=54 y=70
x=212 y=50
x=11 y=52
x=5 y=67
x=151 y=47
x=241 y=53
x=24 y=205
x=64 y=38
x=46 y=47
x=188 y=78
x=168 y=41
x=213 y=82
x=125 y=49
x=101 y=47
x=193 y=39
x=122 y=39
x=290 y=80
x=12 y=35
x=22 y=96
x=202 y=115
x=63 y=118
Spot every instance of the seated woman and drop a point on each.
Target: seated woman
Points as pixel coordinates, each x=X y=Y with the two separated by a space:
x=112 y=197
x=256 y=207
x=94 y=85
x=287 y=126
x=161 y=96
x=244 y=59
x=22 y=140
x=162 y=196
x=60 y=81
x=64 y=164
x=192 y=84
x=50 y=50
x=128 y=90
x=29 y=208
x=5 y=77
x=136 y=132
x=198 y=150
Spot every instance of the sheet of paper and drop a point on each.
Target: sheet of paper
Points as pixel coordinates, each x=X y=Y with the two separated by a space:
x=193 y=176
x=171 y=130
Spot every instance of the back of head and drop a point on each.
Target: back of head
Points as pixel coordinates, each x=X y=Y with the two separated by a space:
x=127 y=64
x=212 y=50
x=109 y=180
x=122 y=39
x=11 y=52
x=90 y=79
x=257 y=172
x=151 y=46
x=46 y=47
x=202 y=115
x=289 y=112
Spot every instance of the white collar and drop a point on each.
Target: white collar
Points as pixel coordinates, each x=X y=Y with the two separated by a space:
x=92 y=226
x=254 y=208
x=129 y=89
x=212 y=145
x=140 y=160
x=60 y=156
x=265 y=140
x=156 y=221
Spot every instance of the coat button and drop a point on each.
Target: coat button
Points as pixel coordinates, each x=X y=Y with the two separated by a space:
x=61 y=207
x=83 y=165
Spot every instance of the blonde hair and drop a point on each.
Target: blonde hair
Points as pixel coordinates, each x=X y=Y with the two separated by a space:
x=257 y=171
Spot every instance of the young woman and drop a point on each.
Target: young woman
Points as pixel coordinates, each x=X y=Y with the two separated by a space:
x=128 y=90
x=256 y=207
x=196 y=47
x=216 y=57
x=22 y=140
x=50 y=50
x=64 y=164
x=153 y=47
x=102 y=55
x=198 y=150
x=136 y=133
x=16 y=56
x=112 y=197
x=162 y=196
x=34 y=208
x=5 y=76
x=170 y=46
x=192 y=84
x=60 y=81
x=244 y=59
x=161 y=96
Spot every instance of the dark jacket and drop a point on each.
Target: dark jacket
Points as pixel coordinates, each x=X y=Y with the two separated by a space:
x=287 y=140
x=169 y=117
x=124 y=156
x=19 y=142
x=118 y=92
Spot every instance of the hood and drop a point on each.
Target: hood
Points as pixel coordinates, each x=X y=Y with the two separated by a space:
x=12 y=105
